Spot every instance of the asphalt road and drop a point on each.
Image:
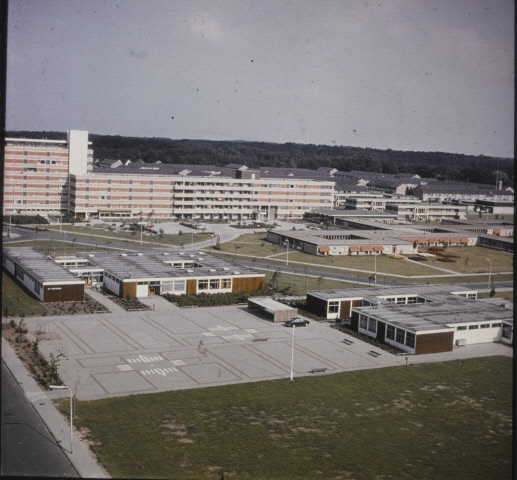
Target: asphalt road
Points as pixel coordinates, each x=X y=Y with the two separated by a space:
x=27 y=448
x=32 y=235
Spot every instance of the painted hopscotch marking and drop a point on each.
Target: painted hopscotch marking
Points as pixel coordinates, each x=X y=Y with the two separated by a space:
x=209 y=334
x=143 y=358
x=251 y=330
x=221 y=328
x=178 y=362
x=239 y=337
x=159 y=371
x=125 y=367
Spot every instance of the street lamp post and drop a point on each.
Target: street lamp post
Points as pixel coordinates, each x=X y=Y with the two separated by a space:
x=292 y=354
x=141 y=230
x=60 y=387
x=375 y=274
x=490 y=273
x=287 y=256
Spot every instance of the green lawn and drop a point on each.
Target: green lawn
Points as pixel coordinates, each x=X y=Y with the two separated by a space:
x=299 y=285
x=505 y=295
x=449 y=420
x=103 y=236
x=17 y=301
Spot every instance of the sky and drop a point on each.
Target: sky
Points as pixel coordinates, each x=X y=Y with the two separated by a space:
x=420 y=75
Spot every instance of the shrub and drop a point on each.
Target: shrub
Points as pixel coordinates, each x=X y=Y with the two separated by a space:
x=417 y=258
x=446 y=259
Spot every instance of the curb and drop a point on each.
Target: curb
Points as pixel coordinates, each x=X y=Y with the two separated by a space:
x=81 y=459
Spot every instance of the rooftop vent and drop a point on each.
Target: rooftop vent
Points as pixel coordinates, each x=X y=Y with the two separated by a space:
x=123 y=254
x=181 y=253
x=139 y=254
x=192 y=256
x=165 y=253
x=211 y=269
x=236 y=272
x=226 y=269
x=190 y=271
x=90 y=255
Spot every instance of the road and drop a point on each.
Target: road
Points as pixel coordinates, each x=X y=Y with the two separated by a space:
x=28 y=448
x=23 y=234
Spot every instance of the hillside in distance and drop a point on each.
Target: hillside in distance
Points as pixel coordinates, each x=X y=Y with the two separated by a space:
x=440 y=165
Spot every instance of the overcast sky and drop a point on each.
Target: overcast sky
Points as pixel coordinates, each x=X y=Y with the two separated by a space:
x=426 y=75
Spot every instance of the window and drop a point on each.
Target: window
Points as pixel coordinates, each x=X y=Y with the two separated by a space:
x=400 y=336
x=333 y=307
x=485 y=325
x=461 y=328
x=202 y=285
x=410 y=340
x=179 y=285
x=372 y=325
x=214 y=284
x=363 y=321
x=226 y=283
x=497 y=325
x=401 y=301
x=507 y=332
x=473 y=327
x=390 y=332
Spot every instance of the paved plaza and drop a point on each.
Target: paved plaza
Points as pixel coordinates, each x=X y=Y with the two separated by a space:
x=125 y=353
x=172 y=348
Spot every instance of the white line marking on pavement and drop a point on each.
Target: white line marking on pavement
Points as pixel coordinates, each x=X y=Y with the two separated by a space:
x=125 y=367
x=239 y=337
x=209 y=334
x=178 y=362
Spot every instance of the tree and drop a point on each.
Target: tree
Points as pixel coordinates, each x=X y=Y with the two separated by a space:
x=273 y=283
x=162 y=231
x=35 y=346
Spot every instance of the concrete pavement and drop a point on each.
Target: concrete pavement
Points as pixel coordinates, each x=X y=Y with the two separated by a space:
x=81 y=458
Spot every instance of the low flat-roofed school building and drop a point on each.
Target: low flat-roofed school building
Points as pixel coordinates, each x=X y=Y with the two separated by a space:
x=44 y=278
x=131 y=275
x=419 y=319
x=128 y=275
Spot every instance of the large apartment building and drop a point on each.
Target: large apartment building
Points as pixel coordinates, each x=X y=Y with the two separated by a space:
x=58 y=176
x=37 y=172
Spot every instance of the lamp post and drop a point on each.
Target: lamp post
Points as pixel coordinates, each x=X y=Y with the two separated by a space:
x=60 y=387
x=490 y=273
x=287 y=257
x=375 y=262
x=141 y=230
x=292 y=353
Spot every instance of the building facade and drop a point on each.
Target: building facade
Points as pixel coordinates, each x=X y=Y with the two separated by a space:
x=37 y=172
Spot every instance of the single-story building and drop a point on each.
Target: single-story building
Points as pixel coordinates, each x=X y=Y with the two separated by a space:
x=41 y=276
x=418 y=319
x=128 y=275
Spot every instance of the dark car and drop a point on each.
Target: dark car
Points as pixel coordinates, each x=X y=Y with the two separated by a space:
x=297 y=322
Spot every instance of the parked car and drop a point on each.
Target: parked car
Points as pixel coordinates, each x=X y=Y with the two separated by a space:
x=297 y=322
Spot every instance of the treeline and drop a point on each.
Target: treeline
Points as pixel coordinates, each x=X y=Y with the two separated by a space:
x=440 y=165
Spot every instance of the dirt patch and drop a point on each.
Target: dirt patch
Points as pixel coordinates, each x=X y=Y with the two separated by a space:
x=88 y=305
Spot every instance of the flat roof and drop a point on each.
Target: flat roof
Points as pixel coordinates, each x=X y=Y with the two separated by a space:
x=392 y=291
x=41 y=266
x=160 y=265
x=443 y=312
x=269 y=304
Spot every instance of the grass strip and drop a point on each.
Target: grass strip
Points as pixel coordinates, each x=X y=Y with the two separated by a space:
x=411 y=422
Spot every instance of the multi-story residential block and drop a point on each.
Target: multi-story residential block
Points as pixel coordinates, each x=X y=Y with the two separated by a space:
x=37 y=172
x=57 y=176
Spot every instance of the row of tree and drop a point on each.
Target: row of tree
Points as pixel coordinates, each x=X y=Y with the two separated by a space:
x=441 y=165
